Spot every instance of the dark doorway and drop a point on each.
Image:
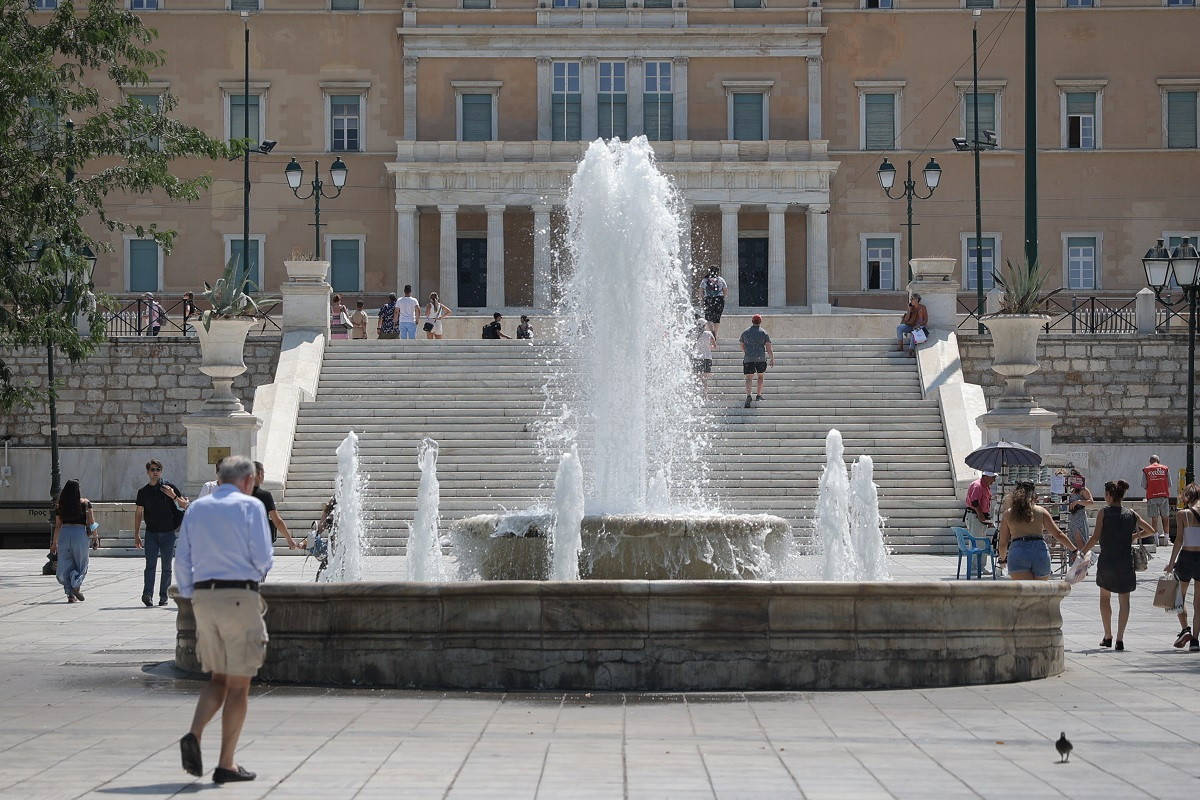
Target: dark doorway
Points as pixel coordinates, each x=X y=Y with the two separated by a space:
x=472 y=273
x=752 y=272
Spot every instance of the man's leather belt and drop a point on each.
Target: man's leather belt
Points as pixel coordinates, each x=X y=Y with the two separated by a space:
x=1018 y=539
x=215 y=584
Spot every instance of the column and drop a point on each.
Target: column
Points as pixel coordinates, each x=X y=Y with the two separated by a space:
x=541 y=256
x=410 y=98
x=814 y=97
x=729 y=251
x=495 y=255
x=407 y=262
x=679 y=90
x=544 y=85
x=818 y=259
x=776 y=262
x=448 y=256
x=635 y=86
x=589 y=113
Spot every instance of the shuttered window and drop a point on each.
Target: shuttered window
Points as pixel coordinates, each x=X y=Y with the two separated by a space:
x=880 y=121
x=344 y=265
x=612 y=99
x=658 y=102
x=238 y=109
x=143 y=5
x=747 y=3
x=748 y=116
x=658 y=3
x=344 y=5
x=477 y=117
x=143 y=265
x=1181 y=119
x=981 y=4
x=1081 y=120
x=243 y=5
x=247 y=267
x=987 y=115
x=971 y=268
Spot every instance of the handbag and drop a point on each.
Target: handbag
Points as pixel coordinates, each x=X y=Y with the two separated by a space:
x=1141 y=558
x=1079 y=570
x=1166 y=593
x=428 y=326
x=919 y=336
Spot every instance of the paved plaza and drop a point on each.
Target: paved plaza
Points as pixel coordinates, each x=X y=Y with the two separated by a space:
x=93 y=708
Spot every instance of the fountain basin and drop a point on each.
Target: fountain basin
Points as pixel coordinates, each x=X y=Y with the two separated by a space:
x=694 y=546
x=656 y=635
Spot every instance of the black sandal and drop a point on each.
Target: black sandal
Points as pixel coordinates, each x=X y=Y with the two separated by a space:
x=1107 y=642
x=1120 y=645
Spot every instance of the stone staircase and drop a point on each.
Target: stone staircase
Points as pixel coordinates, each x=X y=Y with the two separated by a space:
x=481 y=401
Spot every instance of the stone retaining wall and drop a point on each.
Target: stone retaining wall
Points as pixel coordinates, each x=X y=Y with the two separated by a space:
x=1106 y=388
x=132 y=391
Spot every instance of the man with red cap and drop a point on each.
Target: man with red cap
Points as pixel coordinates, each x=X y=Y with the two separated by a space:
x=756 y=350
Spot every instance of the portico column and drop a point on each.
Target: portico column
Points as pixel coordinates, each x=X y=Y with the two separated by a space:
x=818 y=259
x=729 y=251
x=407 y=270
x=776 y=262
x=589 y=114
x=541 y=256
x=679 y=88
x=635 y=87
x=495 y=255
x=814 y=97
x=410 y=98
x=448 y=256
x=544 y=128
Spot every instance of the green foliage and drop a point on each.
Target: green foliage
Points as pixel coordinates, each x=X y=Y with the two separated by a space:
x=1022 y=286
x=230 y=296
x=55 y=66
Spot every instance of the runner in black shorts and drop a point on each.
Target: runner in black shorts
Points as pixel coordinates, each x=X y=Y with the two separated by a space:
x=712 y=297
x=756 y=352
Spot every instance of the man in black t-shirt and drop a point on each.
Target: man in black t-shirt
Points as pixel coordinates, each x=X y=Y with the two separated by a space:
x=161 y=505
x=492 y=329
x=274 y=521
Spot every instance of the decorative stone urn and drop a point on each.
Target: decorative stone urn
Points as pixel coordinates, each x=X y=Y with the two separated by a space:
x=221 y=358
x=310 y=271
x=1014 y=354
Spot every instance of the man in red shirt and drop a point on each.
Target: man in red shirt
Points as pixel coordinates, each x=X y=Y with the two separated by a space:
x=1156 y=479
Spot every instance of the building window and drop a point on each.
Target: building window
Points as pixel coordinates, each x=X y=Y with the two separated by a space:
x=879 y=262
x=878 y=4
x=1081 y=120
x=1080 y=3
x=345 y=263
x=748 y=116
x=657 y=4
x=239 y=111
x=1181 y=2
x=143 y=258
x=611 y=102
x=151 y=102
x=477 y=117
x=980 y=4
x=243 y=5
x=1181 y=119
x=477 y=4
x=610 y=4
x=566 y=3
x=879 y=121
x=1082 y=255
x=143 y=5
x=248 y=267
x=565 y=103
x=345 y=121
x=657 y=101
x=344 y=5
x=971 y=269
x=45 y=5
x=987 y=115
x=747 y=3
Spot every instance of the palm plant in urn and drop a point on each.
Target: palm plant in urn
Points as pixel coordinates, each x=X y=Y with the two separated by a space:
x=1016 y=326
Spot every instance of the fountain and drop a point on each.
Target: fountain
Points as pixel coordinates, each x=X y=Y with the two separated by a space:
x=635 y=579
x=346 y=562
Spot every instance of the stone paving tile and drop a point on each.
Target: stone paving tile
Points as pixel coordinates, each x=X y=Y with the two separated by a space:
x=89 y=710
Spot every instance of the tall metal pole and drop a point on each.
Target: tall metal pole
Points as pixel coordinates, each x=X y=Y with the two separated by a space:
x=1031 y=223
x=910 y=189
x=978 y=196
x=55 y=472
x=317 y=186
x=1190 y=475
x=244 y=268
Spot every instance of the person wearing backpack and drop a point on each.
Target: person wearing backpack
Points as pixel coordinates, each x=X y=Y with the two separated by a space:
x=492 y=329
x=161 y=505
x=713 y=289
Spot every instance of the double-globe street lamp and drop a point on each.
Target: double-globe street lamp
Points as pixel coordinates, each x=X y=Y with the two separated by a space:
x=1182 y=264
x=887 y=179
x=295 y=174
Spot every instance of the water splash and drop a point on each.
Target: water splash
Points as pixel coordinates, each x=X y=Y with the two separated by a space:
x=424 y=562
x=622 y=390
x=832 y=515
x=346 y=563
x=866 y=526
x=568 y=518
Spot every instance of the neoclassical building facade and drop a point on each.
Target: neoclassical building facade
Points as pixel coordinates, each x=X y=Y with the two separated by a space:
x=461 y=122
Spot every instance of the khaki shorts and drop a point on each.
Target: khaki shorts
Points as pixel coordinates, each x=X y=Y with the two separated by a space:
x=1158 y=507
x=231 y=635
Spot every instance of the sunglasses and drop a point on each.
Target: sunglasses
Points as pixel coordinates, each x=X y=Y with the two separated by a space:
x=154 y=469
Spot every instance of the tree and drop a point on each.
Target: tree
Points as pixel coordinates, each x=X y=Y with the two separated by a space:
x=67 y=145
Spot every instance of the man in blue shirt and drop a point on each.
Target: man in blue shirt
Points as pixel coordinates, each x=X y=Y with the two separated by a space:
x=224 y=552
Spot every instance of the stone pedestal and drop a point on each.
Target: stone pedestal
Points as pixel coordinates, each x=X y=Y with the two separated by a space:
x=1032 y=427
x=1016 y=416
x=237 y=430
x=932 y=280
x=306 y=295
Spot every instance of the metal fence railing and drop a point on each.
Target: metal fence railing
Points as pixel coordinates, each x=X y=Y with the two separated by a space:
x=141 y=317
x=1091 y=315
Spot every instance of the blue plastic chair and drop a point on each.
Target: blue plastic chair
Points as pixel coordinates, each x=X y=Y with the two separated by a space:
x=976 y=549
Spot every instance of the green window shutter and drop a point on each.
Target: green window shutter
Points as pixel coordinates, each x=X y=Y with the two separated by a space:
x=344 y=5
x=1181 y=119
x=243 y=5
x=1081 y=102
x=238 y=108
x=657 y=4
x=880 y=121
x=247 y=267
x=477 y=4
x=476 y=117
x=343 y=265
x=748 y=117
x=657 y=110
x=747 y=3
x=987 y=114
x=611 y=4
x=143 y=265
x=613 y=122
x=567 y=122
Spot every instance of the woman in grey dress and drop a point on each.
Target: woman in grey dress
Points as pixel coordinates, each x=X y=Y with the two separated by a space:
x=1077 y=502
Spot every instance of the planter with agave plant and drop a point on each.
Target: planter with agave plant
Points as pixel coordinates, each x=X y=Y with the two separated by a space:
x=222 y=332
x=1015 y=329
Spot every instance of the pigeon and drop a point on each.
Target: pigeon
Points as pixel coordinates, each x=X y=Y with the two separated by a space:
x=1064 y=747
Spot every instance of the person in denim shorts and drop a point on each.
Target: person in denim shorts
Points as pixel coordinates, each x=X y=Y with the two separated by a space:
x=1022 y=546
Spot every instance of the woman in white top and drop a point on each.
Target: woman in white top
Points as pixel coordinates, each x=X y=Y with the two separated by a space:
x=706 y=342
x=1185 y=561
x=435 y=312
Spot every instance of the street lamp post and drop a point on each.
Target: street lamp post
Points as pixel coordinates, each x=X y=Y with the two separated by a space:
x=1183 y=263
x=244 y=268
x=887 y=179
x=295 y=174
